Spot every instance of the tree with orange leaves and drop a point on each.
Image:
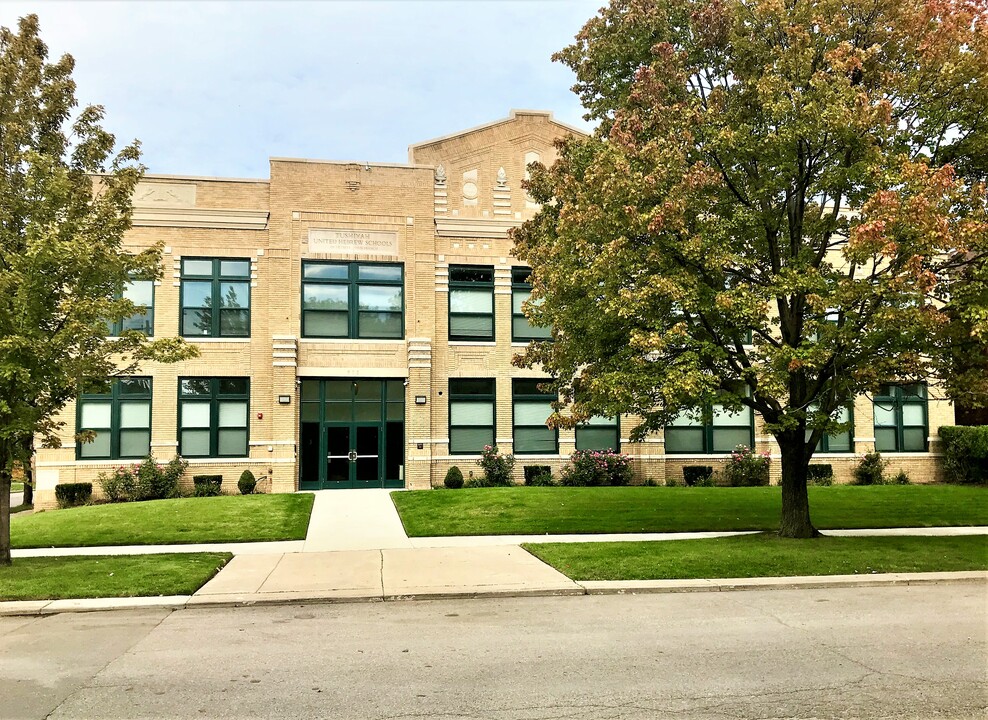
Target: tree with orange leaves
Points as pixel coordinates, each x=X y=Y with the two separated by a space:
x=782 y=207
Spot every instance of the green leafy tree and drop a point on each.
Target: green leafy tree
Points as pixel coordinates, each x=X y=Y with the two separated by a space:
x=769 y=214
x=65 y=203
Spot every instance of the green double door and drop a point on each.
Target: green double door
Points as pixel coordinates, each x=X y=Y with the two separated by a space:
x=352 y=433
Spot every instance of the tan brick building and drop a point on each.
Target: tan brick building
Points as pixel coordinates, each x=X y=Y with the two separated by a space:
x=356 y=323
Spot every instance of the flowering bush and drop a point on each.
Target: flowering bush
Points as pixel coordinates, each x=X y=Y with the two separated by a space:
x=593 y=468
x=747 y=468
x=147 y=480
x=497 y=467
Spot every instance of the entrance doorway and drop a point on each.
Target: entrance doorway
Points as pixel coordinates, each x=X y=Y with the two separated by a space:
x=352 y=434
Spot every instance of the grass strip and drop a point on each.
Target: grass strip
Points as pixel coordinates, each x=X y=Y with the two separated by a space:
x=16 y=487
x=556 y=510
x=762 y=555
x=228 y=518
x=108 y=576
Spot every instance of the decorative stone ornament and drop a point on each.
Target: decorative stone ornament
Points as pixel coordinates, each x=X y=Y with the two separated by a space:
x=502 y=179
x=440 y=174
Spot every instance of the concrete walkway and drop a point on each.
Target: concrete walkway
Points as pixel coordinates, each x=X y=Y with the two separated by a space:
x=356 y=550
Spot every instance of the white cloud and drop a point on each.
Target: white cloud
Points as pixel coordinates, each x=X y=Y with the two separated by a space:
x=217 y=88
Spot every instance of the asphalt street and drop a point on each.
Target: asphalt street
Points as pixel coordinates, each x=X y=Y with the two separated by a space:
x=880 y=652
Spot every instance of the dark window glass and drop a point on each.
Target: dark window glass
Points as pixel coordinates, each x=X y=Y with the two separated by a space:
x=215 y=297
x=531 y=407
x=121 y=419
x=213 y=417
x=712 y=430
x=352 y=300
x=471 y=415
x=901 y=422
x=471 y=303
x=522 y=328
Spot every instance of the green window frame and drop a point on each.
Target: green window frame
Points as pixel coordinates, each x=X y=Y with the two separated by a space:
x=471 y=302
x=530 y=408
x=141 y=293
x=215 y=297
x=213 y=416
x=599 y=433
x=901 y=418
x=841 y=442
x=522 y=329
x=120 y=417
x=714 y=431
x=353 y=300
x=472 y=415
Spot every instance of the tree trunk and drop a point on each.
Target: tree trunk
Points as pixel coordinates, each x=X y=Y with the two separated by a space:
x=28 y=484
x=5 y=481
x=795 y=522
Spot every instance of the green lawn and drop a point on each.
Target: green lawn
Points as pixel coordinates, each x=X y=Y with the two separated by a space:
x=16 y=487
x=54 y=578
x=537 y=511
x=763 y=555
x=228 y=518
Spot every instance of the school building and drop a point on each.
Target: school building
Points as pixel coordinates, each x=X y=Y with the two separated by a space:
x=356 y=323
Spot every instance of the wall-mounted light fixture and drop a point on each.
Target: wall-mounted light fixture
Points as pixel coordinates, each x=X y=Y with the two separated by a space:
x=420 y=399
x=284 y=399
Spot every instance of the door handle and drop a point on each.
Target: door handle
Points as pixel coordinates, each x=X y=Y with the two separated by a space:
x=352 y=455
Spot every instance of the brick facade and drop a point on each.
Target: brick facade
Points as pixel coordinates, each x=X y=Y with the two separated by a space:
x=451 y=205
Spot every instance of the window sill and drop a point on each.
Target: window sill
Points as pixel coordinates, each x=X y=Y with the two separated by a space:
x=472 y=343
x=350 y=341
x=196 y=339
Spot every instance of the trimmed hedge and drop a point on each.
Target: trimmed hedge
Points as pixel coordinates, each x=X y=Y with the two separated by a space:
x=207 y=485
x=697 y=475
x=965 y=453
x=538 y=475
x=72 y=494
x=247 y=483
x=453 y=479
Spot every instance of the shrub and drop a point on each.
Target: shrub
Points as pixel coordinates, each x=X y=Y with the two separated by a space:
x=900 y=478
x=671 y=481
x=965 y=453
x=247 y=483
x=497 y=467
x=820 y=474
x=207 y=485
x=747 y=468
x=453 y=479
x=538 y=475
x=148 y=480
x=72 y=494
x=871 y=470
x=696 y=474
x=119 y=485
x=593 y=468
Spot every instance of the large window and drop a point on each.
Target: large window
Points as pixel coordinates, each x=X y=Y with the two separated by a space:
x=598 y=433
x=471 y=302
x=215 y=297
x=121 y=419
x=841 y=442
x=471 y=415
x=352 y=300
x=714 y=430
x=900 y=418
x=521 y=327
x=141 y=293
x=531 y=408
x=212 y=416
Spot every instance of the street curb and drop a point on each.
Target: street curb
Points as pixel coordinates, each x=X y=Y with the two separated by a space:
x=42 y=608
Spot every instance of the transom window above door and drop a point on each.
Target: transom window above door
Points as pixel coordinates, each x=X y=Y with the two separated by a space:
x=353 y=300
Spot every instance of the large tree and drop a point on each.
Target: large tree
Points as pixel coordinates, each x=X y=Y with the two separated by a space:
x=770 y=212
x=65 y=203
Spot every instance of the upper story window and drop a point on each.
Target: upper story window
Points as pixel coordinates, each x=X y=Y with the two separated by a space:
x=352 y=300
x=841 y=442
x=471 y=415
x=212 y=416
x=121 y=419
x=471 y=302
x=215 y=297
x=901 y=418
x=531 y=408
x=141 y=293
x=521 y=327
x=715 y=430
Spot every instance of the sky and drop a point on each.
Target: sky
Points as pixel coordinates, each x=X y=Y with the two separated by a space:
x=216 y=88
